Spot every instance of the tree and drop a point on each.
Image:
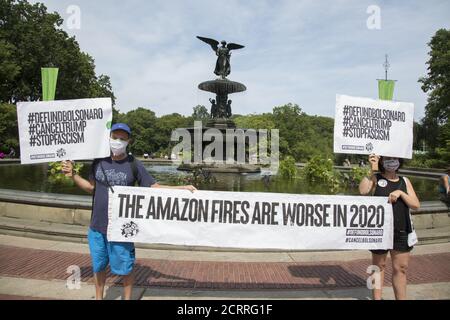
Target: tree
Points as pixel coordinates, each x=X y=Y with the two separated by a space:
x=31 y=38
x=255 y=121
x=8 y=68
x=150 y=133
x=8 y=127
x=102 y=88
x=142 y=123
x=164 y=127
x=437 y=85
x=301 y=136
x=200 y=113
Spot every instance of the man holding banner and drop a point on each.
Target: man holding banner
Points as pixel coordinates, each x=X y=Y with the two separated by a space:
x=118 y=169
x=403 y=197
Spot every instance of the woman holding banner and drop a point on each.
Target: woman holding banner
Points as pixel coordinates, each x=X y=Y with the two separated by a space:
x=401 y=194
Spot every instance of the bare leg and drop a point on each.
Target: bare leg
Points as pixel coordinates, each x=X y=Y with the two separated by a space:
x=379 y=260
x=400 y=261
x=99 y=279
x=128 y=286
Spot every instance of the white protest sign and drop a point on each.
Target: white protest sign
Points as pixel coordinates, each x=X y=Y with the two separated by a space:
x=249 y=219
x=365 y=126
x=64 y=129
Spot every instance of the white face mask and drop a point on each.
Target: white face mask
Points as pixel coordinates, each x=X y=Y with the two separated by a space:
x=391 y=165
x=118 y=146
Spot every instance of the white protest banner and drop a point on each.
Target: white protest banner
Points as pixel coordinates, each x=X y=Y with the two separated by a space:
x=249 y=219
x=64 y=129
x=365 y=126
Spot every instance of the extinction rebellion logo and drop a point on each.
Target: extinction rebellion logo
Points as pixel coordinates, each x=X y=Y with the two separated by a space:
x=369 y=147
x=61 y=152
x=130 y=229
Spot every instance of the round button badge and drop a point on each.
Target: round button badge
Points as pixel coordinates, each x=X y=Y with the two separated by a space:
x=382 y=183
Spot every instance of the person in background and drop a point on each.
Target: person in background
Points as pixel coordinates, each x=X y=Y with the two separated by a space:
x=117 y=169
x=401 y=194
x=12 y=153
x=444 y=187
x=362 y=163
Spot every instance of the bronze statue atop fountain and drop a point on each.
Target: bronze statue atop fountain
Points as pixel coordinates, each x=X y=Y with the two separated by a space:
x=223 y=53
x=222 y=87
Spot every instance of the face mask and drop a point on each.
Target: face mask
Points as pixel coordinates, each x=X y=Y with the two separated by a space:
x=391 y=165
x=117 y=146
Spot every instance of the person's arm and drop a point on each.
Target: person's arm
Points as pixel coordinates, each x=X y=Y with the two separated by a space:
x=191 y=188
x=367 y=184
x=444 y=179
x=145 y=179
x=409 y=197
x=83 y=184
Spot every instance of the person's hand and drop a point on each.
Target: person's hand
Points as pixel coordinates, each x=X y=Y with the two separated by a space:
x=191 y=188
x=393 y=196
x=67 y=168
x=373 y=160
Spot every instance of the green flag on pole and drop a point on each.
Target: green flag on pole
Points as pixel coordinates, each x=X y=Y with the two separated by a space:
x=49 y=77
x=386 y=89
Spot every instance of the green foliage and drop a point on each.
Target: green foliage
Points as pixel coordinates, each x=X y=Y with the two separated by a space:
x=200 y=113
x=441 y=160
x=358 y=173
x=301 y=136
x=255 y=121
x=164 y=127
x=31 y=38
x=417 y=161
x=321 y=170
x=437 y=81
x=288 y=168
x=151 y=134
x=435 y=127
x=9 y=134
x=55 y=175
x=9 y=70
x=354 y=177
x=318 y=169
x=142 y=123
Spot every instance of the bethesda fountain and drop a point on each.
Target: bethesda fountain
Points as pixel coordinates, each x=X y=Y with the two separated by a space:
x=220 y=110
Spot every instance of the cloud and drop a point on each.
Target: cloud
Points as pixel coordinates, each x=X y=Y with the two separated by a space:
x=296 y=51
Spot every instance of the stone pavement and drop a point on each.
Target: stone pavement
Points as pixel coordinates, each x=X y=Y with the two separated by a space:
x=38 y=269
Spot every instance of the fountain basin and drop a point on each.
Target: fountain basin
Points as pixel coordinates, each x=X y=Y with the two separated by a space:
x=222 y=86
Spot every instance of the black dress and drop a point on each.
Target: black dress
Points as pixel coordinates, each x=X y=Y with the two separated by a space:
x=402 y=222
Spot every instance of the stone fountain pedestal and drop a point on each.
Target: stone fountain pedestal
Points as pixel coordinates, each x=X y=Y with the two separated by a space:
x=221 y=120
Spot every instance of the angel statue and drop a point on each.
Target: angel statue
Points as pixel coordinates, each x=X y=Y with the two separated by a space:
x=223 y=55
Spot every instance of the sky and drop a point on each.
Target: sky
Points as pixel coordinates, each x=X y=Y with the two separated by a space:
x=302 y=52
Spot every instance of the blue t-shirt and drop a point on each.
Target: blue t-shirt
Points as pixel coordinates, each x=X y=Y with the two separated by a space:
x=118 y=173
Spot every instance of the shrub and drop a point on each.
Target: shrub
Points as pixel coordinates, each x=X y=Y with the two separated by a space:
x=55 y=175
x=321 y=170
x=288 y=169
